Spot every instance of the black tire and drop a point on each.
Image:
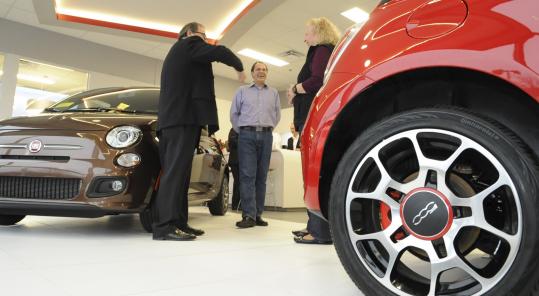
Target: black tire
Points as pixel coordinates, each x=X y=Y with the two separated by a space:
x=219 y=205
x=361 y=240
x=6 y=220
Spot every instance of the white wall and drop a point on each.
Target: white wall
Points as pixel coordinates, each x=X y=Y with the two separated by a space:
x=223 y=111
x=98 y=80
x=58 y=49
x=287 y=117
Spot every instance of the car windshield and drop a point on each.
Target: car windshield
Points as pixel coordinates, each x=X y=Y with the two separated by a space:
x=122 y=100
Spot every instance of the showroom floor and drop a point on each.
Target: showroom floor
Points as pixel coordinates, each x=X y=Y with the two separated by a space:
x=114 y=256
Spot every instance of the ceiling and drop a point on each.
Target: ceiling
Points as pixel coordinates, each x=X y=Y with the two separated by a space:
x=269 y=26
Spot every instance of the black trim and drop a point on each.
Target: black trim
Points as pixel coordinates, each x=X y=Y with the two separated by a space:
x=11 y=207
x=93 y=189
x=36 y=157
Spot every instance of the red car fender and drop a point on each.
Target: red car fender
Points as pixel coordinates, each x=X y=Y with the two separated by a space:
x=370 y=59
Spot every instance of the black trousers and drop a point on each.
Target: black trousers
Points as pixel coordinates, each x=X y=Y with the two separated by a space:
x=318 y=227
x=176 y=150
x=235 y=168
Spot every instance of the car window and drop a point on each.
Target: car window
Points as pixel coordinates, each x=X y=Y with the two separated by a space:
x=141 y=100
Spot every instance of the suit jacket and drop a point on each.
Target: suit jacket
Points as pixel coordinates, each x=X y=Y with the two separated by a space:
x=187 y=88
x=290 y=143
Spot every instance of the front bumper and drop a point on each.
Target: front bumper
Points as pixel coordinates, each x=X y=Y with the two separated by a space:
x=53 y=208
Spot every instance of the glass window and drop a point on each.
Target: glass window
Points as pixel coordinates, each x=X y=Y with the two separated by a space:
x=41 y=85
x=1 y=68
x=144 y=100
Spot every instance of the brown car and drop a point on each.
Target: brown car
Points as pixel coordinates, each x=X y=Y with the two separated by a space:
x=96 y=154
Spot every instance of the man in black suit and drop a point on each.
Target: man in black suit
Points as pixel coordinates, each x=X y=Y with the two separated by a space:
x=293 y=142
x=186 y=104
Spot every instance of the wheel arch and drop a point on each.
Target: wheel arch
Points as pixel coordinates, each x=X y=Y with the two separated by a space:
x=481 y=93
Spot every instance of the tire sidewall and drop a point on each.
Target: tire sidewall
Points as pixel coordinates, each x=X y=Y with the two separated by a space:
x=486 y=134
x=219 y=204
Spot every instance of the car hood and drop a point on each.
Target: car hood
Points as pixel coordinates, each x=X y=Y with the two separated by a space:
x=76 y=121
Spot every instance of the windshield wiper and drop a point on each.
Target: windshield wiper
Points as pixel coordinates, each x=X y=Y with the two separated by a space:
x=52 y=110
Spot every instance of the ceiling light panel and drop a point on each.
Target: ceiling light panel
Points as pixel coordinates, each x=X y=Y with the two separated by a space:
x=167 y=17
x=262 y=57
x=356 y=14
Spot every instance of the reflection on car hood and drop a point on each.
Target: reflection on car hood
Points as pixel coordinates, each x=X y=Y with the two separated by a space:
x=76 y=121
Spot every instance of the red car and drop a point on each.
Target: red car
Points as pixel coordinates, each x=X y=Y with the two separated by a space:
x=422 y=148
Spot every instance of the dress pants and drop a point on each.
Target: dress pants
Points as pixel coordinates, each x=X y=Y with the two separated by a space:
x=318 y=227
x=176 y=150
x=254 y=152
x=235 y=168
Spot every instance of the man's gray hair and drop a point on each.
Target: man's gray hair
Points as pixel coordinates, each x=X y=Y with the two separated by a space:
x=192 y=26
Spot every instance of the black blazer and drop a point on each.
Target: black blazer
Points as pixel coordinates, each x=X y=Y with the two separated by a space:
x=290 y=143
x=187 y=88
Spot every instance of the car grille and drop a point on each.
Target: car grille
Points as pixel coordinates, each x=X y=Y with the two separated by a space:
x=36 y=157
x=39 y=188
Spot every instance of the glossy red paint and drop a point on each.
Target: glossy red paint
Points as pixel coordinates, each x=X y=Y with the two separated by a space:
x=436 y=18
x=499 y=38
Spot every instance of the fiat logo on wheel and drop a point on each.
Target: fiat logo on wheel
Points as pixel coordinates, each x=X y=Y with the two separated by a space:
x=35 y=146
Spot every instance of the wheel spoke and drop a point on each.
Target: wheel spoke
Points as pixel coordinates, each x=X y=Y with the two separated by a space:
x=458 y=224
x=435 y=271
x=484 y=225
x=393 y=257
x=480 y=197
x=457 y=262
x=418 y=182
x=380 y=192
x=379 y=195
x=379 y=236
x=383 y=237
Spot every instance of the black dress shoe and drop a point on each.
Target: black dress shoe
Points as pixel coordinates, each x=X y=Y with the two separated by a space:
x=311 y=241
x=176 y=235
x=302 y=232
x=246 y=222
x=191 y=230
x=260 y=222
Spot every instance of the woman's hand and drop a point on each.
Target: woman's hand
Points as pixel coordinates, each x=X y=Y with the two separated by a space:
x=290 y=94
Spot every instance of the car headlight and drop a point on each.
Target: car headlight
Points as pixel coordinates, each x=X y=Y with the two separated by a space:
x=123 y=136
x=128 y=160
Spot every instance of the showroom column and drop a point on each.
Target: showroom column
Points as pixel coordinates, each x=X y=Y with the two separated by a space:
x=9 y=84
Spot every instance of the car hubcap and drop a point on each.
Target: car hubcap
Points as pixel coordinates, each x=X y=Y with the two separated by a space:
x=432 y=212
x=426 y=214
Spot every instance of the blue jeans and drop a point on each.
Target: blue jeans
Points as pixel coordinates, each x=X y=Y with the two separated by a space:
x=254 y=153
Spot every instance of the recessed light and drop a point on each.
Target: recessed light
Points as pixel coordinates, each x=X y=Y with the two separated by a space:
x=35 y=79
x=356 y=15
x=262 y=57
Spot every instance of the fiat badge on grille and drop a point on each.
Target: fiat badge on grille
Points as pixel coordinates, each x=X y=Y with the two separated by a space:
x=35 y=146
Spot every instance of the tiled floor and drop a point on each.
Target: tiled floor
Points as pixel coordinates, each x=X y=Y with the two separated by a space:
x=114 y=256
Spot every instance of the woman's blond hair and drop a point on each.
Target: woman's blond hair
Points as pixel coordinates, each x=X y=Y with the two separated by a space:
x=325 y=30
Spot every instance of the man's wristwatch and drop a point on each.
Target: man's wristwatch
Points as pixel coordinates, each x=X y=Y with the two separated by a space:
x=295 y=89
